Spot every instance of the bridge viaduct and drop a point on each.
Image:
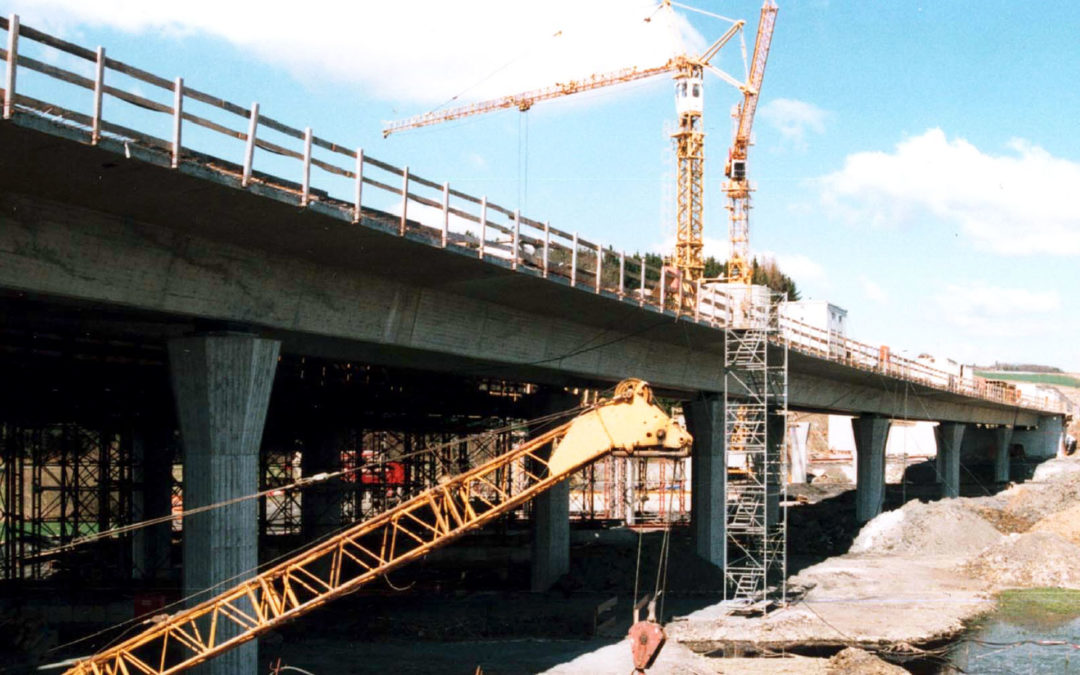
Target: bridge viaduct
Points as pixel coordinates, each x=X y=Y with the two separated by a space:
x=127 y=241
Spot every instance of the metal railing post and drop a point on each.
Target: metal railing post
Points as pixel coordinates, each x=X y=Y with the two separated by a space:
x=249 y=148
x=12 y=60
x=178 y=120
x=306 y=193
x=663 y=287
x=445 y=212
x=622 y=273
x=483 y=225
x=547 y=246
x=573 y=262
x=99 y=84
x=641 y=300
x=697 y=299
x=517 y=239
x=404 y=200
x=599 y=265
x=359 y=190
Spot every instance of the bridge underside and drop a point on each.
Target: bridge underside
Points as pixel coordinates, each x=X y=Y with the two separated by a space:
x=130 y=246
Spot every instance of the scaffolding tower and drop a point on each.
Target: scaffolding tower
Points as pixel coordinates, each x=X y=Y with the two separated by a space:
x=755 y=426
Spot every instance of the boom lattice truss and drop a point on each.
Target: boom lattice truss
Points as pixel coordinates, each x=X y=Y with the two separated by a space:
x=629 y=422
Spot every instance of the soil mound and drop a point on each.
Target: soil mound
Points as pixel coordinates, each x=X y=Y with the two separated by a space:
x=1035 y=559
x=942 y=527
x=855 y=661
x=1032 y=502
x=1066 y=524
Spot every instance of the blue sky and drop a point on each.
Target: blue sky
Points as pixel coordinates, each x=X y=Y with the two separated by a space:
x=916 y=163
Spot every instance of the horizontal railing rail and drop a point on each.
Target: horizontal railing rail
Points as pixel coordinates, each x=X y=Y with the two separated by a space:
x=345 y=182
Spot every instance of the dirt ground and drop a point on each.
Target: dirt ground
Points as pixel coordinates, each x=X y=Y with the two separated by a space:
x=918 y=575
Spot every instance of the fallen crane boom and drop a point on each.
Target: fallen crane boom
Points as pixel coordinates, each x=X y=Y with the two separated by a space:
x=629 y=422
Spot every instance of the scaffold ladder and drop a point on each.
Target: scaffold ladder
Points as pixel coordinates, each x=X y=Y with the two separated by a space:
x=755 y=405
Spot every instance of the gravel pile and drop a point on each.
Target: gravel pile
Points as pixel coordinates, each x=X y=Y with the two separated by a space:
x=943 y=527
x=1031 y=560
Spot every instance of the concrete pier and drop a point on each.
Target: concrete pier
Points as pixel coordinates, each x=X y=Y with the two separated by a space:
x=1043 y=441
x=950 y=436
x=551 y=511
x=798 y=451
x=222 y=387
x=705 y=421
x=871 y=434
x=1002 y=441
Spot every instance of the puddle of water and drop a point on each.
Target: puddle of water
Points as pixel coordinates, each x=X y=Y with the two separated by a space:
x=1024 y=617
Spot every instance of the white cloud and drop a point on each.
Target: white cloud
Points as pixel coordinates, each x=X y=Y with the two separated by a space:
x=994 y=311
x=1016 y=204
x=794 y=119
x=873 y=291
x=798 y=266
x=422 y=51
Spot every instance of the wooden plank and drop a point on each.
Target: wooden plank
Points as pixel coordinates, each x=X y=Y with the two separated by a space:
x=277 y=149
x=383 y=165
x=213 y=126
x=138 y=74
x=55 y=42
x=332 y=147
x=281 y=128
x=202 y=97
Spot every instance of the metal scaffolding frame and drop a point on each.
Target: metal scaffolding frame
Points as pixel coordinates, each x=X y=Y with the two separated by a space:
x=755 y=422
x=60 y=482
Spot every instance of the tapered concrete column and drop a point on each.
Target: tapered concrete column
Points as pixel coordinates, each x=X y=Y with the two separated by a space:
x=950 y=436
x=798 y=451
x=776 y=438
x=222 y=387
x=151 y=547
x=708 y=475
x=551 y=513
x=871 y=435
x=1002 y=440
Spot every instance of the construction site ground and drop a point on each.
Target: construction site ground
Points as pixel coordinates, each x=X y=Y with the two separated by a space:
x=912 y=579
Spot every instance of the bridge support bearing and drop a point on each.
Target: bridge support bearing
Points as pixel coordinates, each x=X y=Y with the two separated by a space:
x=950 y=436
x=705 y=421
x=871 y=435
x=222 y=388
x=1002 y=440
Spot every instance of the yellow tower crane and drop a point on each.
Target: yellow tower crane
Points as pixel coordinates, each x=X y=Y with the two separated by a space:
x=737 y=186
x=689 y=139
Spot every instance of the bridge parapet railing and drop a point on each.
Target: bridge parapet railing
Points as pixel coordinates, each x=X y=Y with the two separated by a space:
x=819 y=342
x=167 y=122
x=179 y=124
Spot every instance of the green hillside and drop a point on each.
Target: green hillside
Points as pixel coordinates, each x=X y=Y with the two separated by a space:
x=1059 y=379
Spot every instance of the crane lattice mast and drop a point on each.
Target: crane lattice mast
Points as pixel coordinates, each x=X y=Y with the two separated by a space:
x=737 y=186
x=689 y=139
